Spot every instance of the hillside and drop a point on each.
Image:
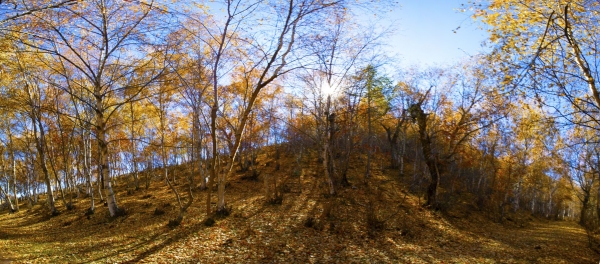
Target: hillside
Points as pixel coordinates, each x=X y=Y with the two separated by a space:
x=307 y=227
x=322 y=144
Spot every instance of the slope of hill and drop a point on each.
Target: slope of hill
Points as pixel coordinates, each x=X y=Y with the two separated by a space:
x=378 y=223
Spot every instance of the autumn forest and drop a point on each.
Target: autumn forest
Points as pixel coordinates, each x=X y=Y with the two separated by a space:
x=273 y=131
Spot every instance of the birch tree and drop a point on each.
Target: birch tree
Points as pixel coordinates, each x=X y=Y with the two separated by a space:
x=106 y=49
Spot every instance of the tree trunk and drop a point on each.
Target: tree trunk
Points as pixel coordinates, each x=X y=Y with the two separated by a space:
x=332 y=170
x=584 y=208
x=194 y=153
x=533 y=201
x=135 y=174
x=40 y=146
x=369 y=136
x=517 y=196
x=8 y=200
x=183 y=208
x=347 y=146
x=87 y=160
x=57 y=179
x=103 y=161
x=149 y=169
x=598 y=204
x=198 y=148
x=35 y=194
x=213 y=165
x=392 y=137
x=221 y=206
x=402 y=153
x=327 y=157
x=99 y=183
x=14 y=167
x=434 y=170
x=394 y=156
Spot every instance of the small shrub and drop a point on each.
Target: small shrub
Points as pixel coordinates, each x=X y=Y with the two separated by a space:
x=296 y=173
x=159 y=211
x=310 y=222
x=327 y=211
x=120 y=212
x=209 y=222
x=174 y=223
x=226 y=211
x=373 y=226
x=276 y=200
x=238 y=215
x=332 y=228
x=286 y=188
x=406 y=233
x=89 y=212
x=373 y=222
x=253 y=176
x=227 y=242
x=70 y=206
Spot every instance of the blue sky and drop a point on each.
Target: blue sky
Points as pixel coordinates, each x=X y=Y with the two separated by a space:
x=424 y=32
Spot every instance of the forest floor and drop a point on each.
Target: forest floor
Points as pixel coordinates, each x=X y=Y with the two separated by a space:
x=307 y=227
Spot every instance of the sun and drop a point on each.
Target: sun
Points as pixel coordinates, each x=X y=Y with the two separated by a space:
x=327 y=88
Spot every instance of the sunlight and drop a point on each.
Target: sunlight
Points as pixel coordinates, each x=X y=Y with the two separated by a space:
x=327 y=89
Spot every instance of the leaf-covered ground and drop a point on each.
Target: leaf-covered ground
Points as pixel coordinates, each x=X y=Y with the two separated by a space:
x=257 y=232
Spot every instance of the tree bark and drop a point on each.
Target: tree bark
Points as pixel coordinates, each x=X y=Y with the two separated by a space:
x=392 y=137
x=213 y=164
x=369 y=134
x=434 y=171
x=8 y=200
x=327 y=145
x=135 y=174
x=584 y=208
x=56 y=178
x=87 y=165
x=103 y=161
x=14 y=173
x=40 y=146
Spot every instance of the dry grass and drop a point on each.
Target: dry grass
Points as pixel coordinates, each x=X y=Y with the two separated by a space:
x=257 y=232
